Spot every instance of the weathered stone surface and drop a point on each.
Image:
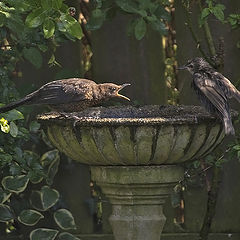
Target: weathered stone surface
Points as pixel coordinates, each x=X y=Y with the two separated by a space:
x=137 y=195
x=148 y=135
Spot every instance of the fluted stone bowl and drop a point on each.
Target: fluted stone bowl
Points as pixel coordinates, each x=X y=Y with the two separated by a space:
x=148 y=135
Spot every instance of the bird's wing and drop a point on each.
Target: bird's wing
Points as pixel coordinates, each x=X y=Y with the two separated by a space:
x=63 y=91
x=229 y=89
x=212 y=92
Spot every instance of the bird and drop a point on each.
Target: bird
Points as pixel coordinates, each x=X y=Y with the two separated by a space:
x=69 y=95
x=213 y=90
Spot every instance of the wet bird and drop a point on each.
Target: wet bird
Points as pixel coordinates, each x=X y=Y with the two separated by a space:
x=213 y=90
x=70 y=95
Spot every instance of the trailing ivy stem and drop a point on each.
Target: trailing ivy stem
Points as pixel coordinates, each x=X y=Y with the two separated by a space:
x=189 y=24
x=208 y=34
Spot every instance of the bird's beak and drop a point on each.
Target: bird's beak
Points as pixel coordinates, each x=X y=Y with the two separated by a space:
x=120 y=95
x=182 y=67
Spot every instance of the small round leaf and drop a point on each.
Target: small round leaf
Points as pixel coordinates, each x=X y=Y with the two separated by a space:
x=34 y=56
x=64 y=219
x=52 y=170
x=67 y=236
x=15 y=184
x=140 y=29
x=76 y=30
x=43 y=234
x=57 y=4
x=48 y=157
x=34 y=177
x=4 y=196
x=5 y=213
x=50 y=197
x=12 y=115
x=48 y=28
x=35 y=18
x=13 y=129
x=36 y=200
x=29 y=217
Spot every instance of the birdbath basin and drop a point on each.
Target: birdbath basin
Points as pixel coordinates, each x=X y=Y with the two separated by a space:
x=135 y=154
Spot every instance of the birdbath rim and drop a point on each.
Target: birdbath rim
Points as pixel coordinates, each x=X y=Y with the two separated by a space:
x=133 y=115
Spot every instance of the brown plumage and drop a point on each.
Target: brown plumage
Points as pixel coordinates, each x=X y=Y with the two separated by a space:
x=69 y=95
x=213 y=90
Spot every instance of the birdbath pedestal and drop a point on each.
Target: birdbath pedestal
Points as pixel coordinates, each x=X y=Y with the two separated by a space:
x=137 y=195
x=135 y=156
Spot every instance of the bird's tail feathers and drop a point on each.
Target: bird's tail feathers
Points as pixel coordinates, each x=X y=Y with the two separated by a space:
x=229 y=129
x=15 y=104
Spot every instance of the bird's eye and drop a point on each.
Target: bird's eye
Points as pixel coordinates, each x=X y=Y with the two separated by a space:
x=190 y=65
x=112 y=88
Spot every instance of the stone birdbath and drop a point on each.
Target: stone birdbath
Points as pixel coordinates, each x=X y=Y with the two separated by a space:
x=135 y=155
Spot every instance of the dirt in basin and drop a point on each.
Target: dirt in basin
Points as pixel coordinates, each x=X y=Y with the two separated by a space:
x=120 y=115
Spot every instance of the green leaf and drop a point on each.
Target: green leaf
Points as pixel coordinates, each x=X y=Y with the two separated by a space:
x=34 y=126
x=71 y=25
x=29 y=217
x=15 y=169
x=46 y=4
x=57 y=4
x=143 y=13
x=4 y=196
x=33 y=56
x=205 y=13
x=13 y=129
x=52 y=170
x=48 y=157
x=218 y=13
x=48 y=28
x=50 y=197
x=67 y=236
x=238 y=44
x=131 y=26
x=5 y=213
x=35 y=177
x=146 y=4
x=52 y=59
x=127 y=6
x=35 y=18
x=64 y=219
x=76 y=30
x=5 y=158
x=43 y=234
x=13 y=115
x=32 y=159
x=43 y=47
x=151 y=18
x=44 y=199
x=96 y=20
x=67 y=19
x=162 y=13
x=140 y=29
x=236 y=147
x=15 y=184
x=196 y=164
x=159 y=26
x=2 y=19
x=36 y=200
x=220 y=6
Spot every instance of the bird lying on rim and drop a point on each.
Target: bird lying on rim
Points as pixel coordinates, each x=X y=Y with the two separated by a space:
x=70 y=95
x=213 y=90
